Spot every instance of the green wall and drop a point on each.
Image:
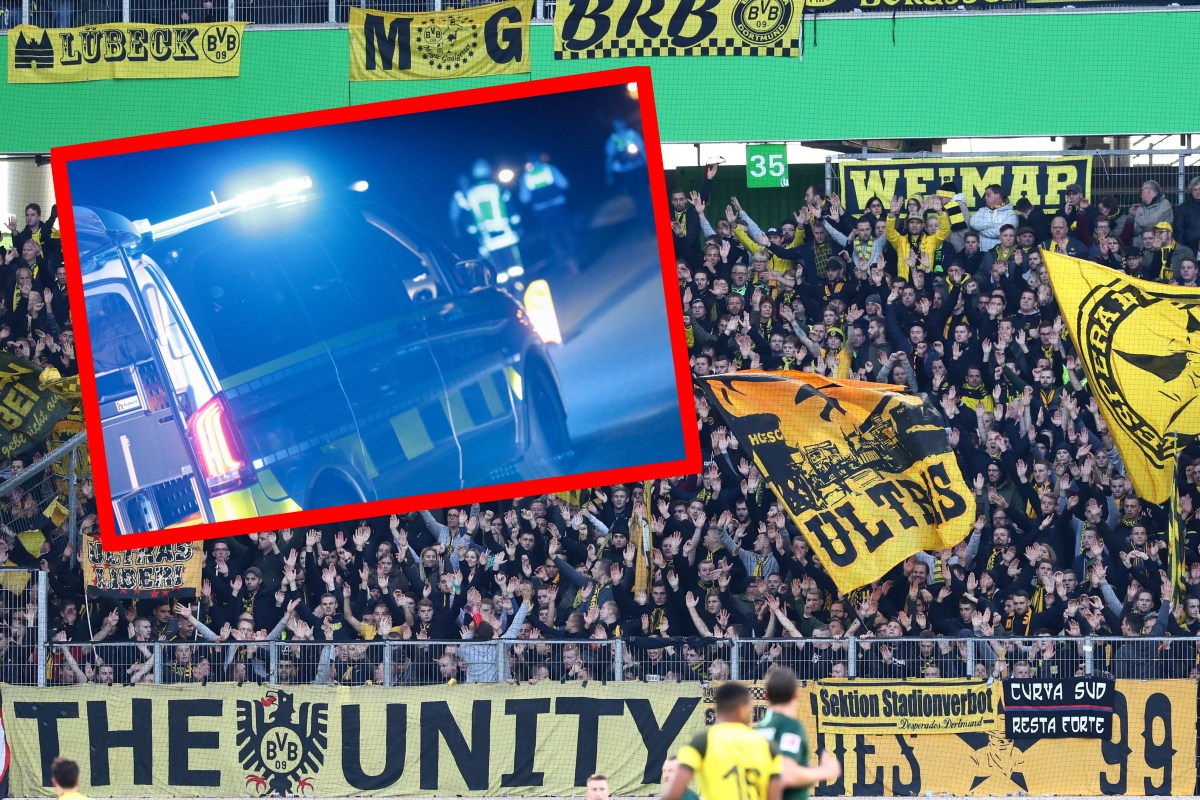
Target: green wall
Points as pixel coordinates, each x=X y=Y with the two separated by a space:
x=950 y=74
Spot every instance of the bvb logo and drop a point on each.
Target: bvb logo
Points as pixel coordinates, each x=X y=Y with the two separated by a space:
x=761 y=22
x=284 y=751
x=221 y=43
x=448 y=46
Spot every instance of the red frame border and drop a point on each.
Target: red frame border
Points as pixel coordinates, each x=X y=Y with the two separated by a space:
x=61 y=156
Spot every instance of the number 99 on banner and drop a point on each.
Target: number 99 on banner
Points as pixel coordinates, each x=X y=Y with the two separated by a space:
x=766 y=166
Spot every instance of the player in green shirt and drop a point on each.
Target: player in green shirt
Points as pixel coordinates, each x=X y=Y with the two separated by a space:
x=668 y=772
x=781 y=726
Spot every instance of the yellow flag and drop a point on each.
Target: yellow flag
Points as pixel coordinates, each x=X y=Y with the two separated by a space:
x=1139 y=343
x=489 y=40
x=865 y=471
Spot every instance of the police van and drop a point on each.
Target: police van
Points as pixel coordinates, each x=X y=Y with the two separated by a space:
x=287 y=350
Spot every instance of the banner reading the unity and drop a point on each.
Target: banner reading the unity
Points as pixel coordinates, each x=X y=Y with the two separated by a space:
x=864 y=470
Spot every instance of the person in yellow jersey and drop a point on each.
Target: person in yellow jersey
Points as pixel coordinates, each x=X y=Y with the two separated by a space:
x=731 y=760
x=64 y=777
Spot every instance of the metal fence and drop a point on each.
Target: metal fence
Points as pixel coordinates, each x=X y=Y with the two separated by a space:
x=1119 y=173
x=75 y=13
x=396 y=662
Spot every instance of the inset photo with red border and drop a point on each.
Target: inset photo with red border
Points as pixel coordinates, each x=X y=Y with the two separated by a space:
x=376 y=309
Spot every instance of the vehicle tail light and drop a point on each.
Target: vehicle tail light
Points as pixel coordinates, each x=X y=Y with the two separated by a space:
x=219 y=448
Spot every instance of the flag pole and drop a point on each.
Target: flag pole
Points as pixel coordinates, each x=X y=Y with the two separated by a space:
x=1178 y=543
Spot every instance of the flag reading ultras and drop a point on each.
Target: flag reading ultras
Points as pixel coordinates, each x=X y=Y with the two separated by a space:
x=865 y=471
x=1139 y=343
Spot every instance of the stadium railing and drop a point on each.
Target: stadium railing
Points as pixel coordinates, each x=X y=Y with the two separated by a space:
x=308 y=13
x=397 y=662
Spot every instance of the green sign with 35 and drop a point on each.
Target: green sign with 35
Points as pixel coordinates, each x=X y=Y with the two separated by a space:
x=766 y=166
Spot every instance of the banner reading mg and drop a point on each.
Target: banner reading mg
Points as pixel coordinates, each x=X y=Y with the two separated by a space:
x=489 y=40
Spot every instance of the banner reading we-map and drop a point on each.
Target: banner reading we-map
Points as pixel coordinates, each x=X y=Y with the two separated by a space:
x=489 y=40
x=124 y=50
x=1042 y=180
x=624 y=28
x=449 y=741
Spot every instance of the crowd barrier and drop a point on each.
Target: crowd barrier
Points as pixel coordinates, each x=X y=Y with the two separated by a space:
x=401 y=663
x=543 y=740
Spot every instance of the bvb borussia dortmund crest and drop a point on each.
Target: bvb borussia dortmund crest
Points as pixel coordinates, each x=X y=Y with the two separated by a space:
x=1139 y=343
x=280 y=745
x=449 y=45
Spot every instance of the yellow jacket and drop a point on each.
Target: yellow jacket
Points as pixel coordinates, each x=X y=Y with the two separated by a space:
x=780 y=265
x=929 y=243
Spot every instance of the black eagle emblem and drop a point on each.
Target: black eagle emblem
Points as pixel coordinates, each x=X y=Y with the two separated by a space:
x=284 y=752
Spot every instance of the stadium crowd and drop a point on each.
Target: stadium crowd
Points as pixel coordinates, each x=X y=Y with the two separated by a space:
x=704 y=576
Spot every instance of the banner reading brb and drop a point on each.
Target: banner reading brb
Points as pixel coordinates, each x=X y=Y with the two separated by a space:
x=1139 y=343
x=489 y=40
x=124 y=50
x=1042 y=180
x=608 y=29
x=865 y=471
x=228 y=741
x=927 y=706
x=171 y=570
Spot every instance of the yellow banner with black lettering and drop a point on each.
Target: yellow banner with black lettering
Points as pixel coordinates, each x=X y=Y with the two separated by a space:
x=170 y=570
x=620 y=29
x=1041 y=180
x=492 y=39
x=1152 y=751
x=1139 y=343
x=226 y=740
x=865 y=471
x=927 y=706
x=124 y=50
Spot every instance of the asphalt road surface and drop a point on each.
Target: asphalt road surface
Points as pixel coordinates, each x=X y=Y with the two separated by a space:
x=615 y=364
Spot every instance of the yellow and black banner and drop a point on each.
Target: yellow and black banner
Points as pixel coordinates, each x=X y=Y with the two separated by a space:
x=469 y=740
x=32 y=401
x=124 y=50
x=865 y=471
x=171 y=570
x=620 y=29
x=927 y=706
x=1139 y=343
x=1043 y=180
x=1151 y=751
x=488 y=40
